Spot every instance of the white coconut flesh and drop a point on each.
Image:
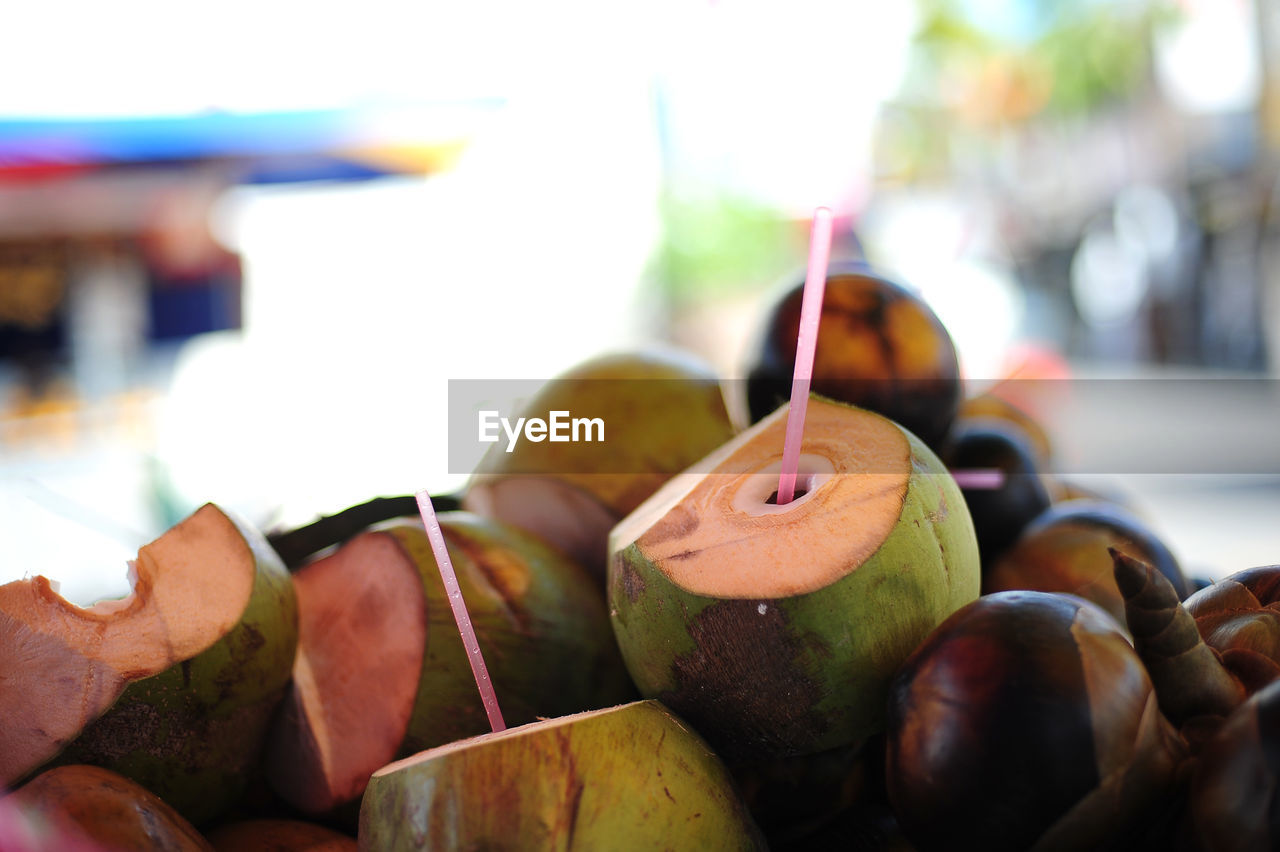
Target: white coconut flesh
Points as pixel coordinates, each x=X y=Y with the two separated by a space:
x=714 y=532
x=62 y=666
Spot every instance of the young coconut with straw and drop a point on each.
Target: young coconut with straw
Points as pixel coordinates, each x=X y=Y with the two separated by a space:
x=634 y=771
x=774 y=623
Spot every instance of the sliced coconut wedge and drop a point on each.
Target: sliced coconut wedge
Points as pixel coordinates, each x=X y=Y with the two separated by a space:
x=775 y=629
x=381 y=670
x=361 y=635
x=63 y=666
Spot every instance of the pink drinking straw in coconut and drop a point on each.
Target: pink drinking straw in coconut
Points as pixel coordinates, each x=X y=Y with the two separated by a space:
x=815 y=284
x=979 y=478
x=478 y=669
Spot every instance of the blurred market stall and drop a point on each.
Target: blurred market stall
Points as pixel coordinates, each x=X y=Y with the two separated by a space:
x=242 y=267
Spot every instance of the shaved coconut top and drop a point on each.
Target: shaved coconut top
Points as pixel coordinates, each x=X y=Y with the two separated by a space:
x=62 y=665
x=508 y=734
x=716 y=534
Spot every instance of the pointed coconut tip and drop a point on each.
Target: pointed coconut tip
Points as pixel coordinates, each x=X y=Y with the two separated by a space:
x=1131 y=575
x=64 y=665
x=718 y=532
x=1189 y=677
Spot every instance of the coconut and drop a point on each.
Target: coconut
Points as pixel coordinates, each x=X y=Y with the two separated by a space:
x=630 y=776
x=1027 y=721
x=775 y=629
x=381 y=671
x=662 y=411
x=279 y=835
x=172 y=686
x=1064 y=549
x=103 y=810
x=880 y=346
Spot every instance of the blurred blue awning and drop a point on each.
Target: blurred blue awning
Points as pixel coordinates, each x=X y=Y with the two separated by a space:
x=276 y=146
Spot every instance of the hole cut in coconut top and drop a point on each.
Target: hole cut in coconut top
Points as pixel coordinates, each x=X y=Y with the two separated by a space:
x=716 y=533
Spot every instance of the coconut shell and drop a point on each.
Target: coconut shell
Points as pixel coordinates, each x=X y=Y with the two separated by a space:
x=187 y=686
x=879 y=347
x=776 y=632
x=662 y=411
x=381 y=671
x=1025 y=721
x=105 y=809
x=1235 y=791
x=632 y=776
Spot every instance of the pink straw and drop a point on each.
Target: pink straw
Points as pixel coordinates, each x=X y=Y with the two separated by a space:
x=979 y=479
x=459 y=606
x=815 y=284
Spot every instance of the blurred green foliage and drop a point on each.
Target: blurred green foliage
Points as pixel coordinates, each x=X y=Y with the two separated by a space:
x=1087 y=52
x=1096 y=58
x=971 y=77
x=716 y=245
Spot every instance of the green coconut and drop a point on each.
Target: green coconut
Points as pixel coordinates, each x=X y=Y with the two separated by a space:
x=632 y=776
x=661 y=410
x=172 y=686
x=382 y=672
x=775 y=630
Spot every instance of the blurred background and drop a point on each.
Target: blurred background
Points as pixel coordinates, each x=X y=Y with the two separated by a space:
x=244 y=247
